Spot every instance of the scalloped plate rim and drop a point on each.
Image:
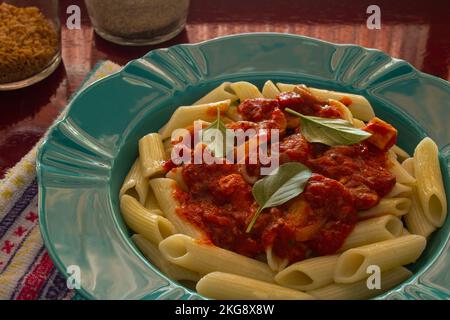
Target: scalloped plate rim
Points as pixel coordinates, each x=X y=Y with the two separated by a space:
x=66 y=113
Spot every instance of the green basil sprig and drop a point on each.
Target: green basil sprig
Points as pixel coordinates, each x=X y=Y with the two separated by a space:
x=331 y=132
x=215 y=147
x=286 y=182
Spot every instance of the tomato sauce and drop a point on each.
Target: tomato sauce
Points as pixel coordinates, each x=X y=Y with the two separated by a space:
x=317 y=222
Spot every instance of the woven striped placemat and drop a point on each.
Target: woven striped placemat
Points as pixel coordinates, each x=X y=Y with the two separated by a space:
x=26 y=270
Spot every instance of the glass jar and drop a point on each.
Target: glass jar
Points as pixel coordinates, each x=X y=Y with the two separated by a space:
x=30 y=42
x=138 y=22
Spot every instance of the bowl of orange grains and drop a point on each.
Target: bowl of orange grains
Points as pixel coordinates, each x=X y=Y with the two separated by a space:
x=30 y=46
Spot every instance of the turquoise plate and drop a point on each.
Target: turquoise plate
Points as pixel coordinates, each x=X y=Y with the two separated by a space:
x=87 y=154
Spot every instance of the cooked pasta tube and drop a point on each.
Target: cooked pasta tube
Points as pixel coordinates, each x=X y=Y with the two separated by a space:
x=415 y=219
x=168 y=147
x=373 y=230
x=358 y=123
x=234 y=114
x=400 y=190
x=177 y=175
x=226 y=286
x=408 y=165
x=185 y=116
x=129 y=184
x=151 y=203
x=286 y=87
x=393 y=206
x=152 y=155
x=345 y=111
x=152 y=226
x=270 y=90
x=203 y=257
x=401 y=175
x=358 y=105
x=308 y=274
x=170 y=142
x=401 y=154
x=152 y=253
x=405 y=232
x=352 y=264
x=164 y=188
x=245 y=90
x=359 y=290
x=222 y=92
x=275 y=263
x=142 y=186
x=430 y=186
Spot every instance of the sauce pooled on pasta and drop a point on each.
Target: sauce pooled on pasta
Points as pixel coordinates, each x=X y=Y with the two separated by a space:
x=345 y=179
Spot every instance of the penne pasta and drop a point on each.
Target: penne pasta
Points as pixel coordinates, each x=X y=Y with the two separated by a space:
x=203 y=257
x=177 y=175
x=345 y=111
x=430 y=186
x=221 y=93
x=359 y=290
x=142 y=186
x=152 y=155
x=358 y=105
x=358 y=123
x=168 y=147
x=175 y=136
x=393 y=206
x=226 y=286
x=408 y=165
x=151 y=203
x=129 y=184
x=373 y=230
x=275 y=263
x=185 y=116
x=153 y=255
x=401 y=175
x=352 y=264
x=245 y=90
x=400 y=190
x=233 y=114
x=163 y=189
x=415 y=219
x=401 y=154
x=308 y=274
x=405 y=232
x=152 y=226
x=203 y=224
x=270 y=90
x=285 y=87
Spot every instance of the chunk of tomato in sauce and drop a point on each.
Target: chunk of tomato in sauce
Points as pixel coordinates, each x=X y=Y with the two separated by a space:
x=329 y=198
x=384 y=135
x=257 y=109
x=325 y=202
x=331 y=237
x=304 y=102
x=199 y=178
x=294 y=148
x=280 y=236
x=361 y=168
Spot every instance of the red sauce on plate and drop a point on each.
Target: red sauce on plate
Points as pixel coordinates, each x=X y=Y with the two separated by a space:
x=346 y=179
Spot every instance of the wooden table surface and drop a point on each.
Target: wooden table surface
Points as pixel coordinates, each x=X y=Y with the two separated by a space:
x=418 y=32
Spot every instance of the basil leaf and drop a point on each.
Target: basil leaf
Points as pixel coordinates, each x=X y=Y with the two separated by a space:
x=218 y=145
x=286 y=182
x=331 y=132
